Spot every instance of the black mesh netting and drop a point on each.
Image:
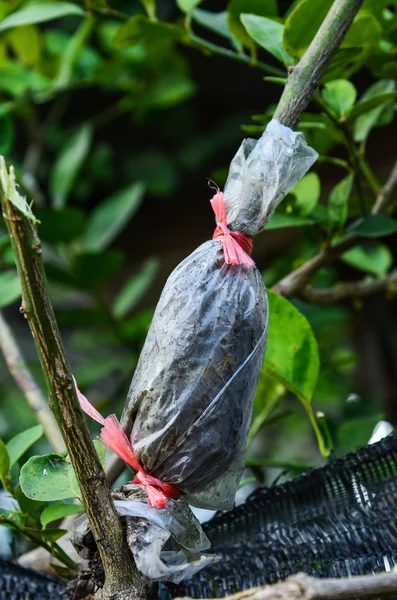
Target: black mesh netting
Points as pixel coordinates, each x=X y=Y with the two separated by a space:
x=334 y=521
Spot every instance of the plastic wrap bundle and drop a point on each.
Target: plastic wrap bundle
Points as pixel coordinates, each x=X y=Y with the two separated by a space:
x=191 y=396
x=190 y=401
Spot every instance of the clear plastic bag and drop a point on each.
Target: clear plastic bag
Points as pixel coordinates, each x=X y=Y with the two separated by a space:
x=191 y=396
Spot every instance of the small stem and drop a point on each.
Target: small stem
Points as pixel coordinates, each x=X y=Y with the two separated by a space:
x=25 y=381
x=200 y=43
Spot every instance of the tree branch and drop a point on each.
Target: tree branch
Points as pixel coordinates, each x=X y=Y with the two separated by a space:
x=293 y=284
x=303 y=587
x=351 y=289
x=306 y=75
x=121 y=573
x=27 y=384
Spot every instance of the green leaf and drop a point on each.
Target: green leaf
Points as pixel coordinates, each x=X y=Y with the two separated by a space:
x=303 y=24
x=52 y=535
x=46 y=478
x=157 y=171
x=111 y=216
x=74 y=484
x=135 y=288
x=26 y=43
x=340 y=95
x=30 y=507
x=365 y=31
x=367 y=121
x=68 y=164
x=61 y=225
x=59 y=511
x=344 y=59
x=263 y=8
x=216 y=22
x=7 y=134
x=268 y=34
x=338 y=202
x=374 y=226
x=139 y=30
x=4 y=462
x=365 y=106
x=10 y=288
x=41 y=12
x=307 y=194
x=11 y=518
x=280 y=220
x=373 y=258
x=18 y=445
x=93 y=269
x=355 y=433
x=187 y=6
x=150 y=7
x=292 y=354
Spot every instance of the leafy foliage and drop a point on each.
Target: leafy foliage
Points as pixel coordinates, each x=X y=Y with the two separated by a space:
x=99 y=112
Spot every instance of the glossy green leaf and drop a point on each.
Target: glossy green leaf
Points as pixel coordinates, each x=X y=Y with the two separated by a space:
x=216 y=22
x=302 y=25
x=68 y=164
x=365 y=106
x=26 y=43
x=61 y=225
x=187 y=6
x=340 y=95
x=139 y=29
x=4 y=461
x=10 y=288
x=365 y=31
x=39 y=13
x=374 y=226
x=367 y=121
x=268 y=34
x=374 y=258
x=94 y=268
x=18 y=445
x=292 y=354
x=280 y=220
x=59 y=511
x=111 y=216
x=338 y=202
x=307 y=194
x=46 y=478
x=135 y=288
x=263 y=8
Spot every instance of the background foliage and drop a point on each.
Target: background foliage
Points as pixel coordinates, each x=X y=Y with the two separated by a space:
x=113 y=118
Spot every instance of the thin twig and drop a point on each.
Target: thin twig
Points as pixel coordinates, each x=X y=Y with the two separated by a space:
x=27 y=384
x=387 y=194
x=120 y=571
x=303 y=587
x=351 y=289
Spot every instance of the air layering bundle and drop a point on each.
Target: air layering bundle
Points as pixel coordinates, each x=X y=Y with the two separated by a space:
x=190 y=401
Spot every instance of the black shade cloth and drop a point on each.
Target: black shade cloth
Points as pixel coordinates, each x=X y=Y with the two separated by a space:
x=335 y=521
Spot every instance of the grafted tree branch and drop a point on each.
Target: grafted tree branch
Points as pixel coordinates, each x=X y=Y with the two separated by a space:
x=121 y=573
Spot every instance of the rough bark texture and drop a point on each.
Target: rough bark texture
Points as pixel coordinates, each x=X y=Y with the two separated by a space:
x=37 y=309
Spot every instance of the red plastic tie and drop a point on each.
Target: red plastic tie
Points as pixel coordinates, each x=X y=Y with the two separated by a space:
x=237 y=246
x=115 y=438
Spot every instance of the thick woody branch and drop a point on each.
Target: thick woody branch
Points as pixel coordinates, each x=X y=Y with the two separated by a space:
x=306 y=75
x=25 y=381
x=351 y=289
x=293 y=284
x=120 y=570
x=303 y=587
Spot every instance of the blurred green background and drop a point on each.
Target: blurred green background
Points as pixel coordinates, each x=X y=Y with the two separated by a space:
x=114 y=128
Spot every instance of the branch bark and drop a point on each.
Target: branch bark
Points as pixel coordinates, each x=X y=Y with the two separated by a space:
x=121 y=573
x=295 y=282
x=306 y=75
x=303 y=587
x=25 y=381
